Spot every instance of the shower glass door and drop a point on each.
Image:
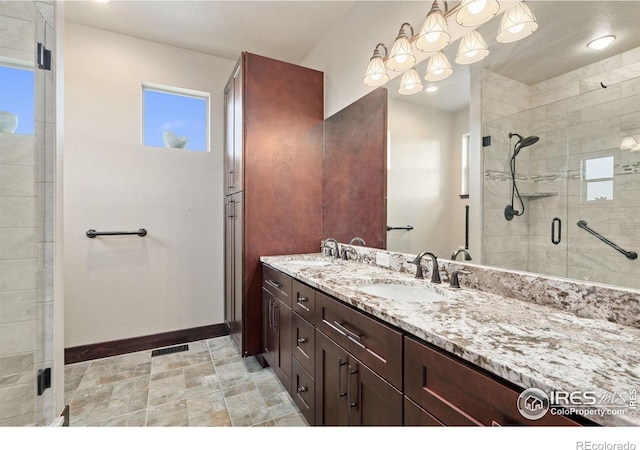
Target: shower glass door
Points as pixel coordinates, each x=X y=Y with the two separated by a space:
x=26 y=198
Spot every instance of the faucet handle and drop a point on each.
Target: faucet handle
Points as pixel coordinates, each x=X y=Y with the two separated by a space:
x=455 y=275
x=417 y=261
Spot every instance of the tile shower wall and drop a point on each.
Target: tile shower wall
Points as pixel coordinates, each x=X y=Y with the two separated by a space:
x=577 y=120
x=26 y=228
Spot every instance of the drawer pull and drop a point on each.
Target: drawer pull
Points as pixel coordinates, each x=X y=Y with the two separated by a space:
x=340 y=364
x=355 y=337
x=352 y=404
x=302 y=341
x=300 y=301
x=274 y=284
x=302 y=389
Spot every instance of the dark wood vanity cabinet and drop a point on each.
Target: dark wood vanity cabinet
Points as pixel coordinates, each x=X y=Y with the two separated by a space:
x=452 y=392
x=345 y=367
x=273 y=138
x=350 y=393
x=276 y=316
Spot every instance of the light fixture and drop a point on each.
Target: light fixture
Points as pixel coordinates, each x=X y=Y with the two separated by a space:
x=630 y=143
x=434 y=35
x=438 y=68
x=376 y=74
x=473 y=13
x=517 y=22
x=410 y=83
x=431 y=89
x=473 y=48
x=401 y=57
x=601 y=42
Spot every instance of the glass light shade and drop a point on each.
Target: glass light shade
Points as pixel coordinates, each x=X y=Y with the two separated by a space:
x=410 y=83
x=629 y=143
x=438 y=68
x=401 y=56
x=376 y=74
x=517 y=23
x=473 y=13
x=473 y=48
x=434 y=35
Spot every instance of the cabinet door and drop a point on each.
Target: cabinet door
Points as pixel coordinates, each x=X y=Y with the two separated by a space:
x=332 y=408
x=238 y=332
x=233 y=142
x=282 y=333
x=268 y=338
x=371 y=400
x=228 y=264
x=233 y=247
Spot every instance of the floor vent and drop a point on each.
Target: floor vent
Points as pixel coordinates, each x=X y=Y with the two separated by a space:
x=168 y=350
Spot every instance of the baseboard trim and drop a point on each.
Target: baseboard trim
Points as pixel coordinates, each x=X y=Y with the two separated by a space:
x=122 y=346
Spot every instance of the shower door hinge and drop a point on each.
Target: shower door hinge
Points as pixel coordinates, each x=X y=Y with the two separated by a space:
x=44 y=379
x=44 y=57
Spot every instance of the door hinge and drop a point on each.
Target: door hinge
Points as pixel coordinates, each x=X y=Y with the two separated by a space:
x=44 y=379
x=44 y=57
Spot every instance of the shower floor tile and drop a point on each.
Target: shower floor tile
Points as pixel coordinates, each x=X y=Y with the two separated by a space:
x=209 y=385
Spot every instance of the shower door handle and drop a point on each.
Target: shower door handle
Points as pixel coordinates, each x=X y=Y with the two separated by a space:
x=556 y=223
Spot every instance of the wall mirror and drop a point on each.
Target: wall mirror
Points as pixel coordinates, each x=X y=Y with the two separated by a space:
x=572 y=115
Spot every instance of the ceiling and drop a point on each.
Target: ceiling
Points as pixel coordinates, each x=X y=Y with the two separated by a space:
x=289 y=30
x=285 y=30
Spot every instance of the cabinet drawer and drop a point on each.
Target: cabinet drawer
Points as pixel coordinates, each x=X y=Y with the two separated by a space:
x=278 y=283
x=303 y=391
x=414 y=416
x=457 y=394
x=303 y=342
x=372 y=342
x=303 y=301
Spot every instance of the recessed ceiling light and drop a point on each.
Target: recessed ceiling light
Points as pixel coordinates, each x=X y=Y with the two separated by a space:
x=102 y=1
x=601 y=42
x=431 y=89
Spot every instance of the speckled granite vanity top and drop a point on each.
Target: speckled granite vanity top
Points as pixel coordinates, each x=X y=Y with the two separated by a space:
x=527 y=344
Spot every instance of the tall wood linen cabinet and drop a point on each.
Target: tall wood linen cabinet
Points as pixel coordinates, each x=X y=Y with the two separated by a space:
x=274 y=115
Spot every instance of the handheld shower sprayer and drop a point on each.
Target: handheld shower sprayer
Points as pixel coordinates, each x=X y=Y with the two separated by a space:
x=509 y=211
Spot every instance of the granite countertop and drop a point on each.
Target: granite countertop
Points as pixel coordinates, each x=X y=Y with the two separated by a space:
x=527 y=344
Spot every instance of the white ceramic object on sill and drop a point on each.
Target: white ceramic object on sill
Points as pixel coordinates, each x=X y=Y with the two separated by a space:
x=8 y=122
x=172 y=140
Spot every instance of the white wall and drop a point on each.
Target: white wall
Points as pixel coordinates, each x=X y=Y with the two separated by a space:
x=172 y=279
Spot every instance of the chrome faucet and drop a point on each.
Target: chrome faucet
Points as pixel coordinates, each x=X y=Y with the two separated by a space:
x=435 y=272
x=357 y=239
x=467 y=256
x=455 y=281
x=325 y=245
x=349 y=250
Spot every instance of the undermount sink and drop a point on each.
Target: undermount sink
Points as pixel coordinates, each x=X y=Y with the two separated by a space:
x=311 y=262
x=401 y=292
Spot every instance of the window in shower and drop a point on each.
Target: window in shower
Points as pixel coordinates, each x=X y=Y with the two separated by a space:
x=598 y=176
x=17 y=100
x=175 y=118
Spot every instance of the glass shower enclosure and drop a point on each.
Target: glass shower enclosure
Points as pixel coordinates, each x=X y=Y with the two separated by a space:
x=27 y=185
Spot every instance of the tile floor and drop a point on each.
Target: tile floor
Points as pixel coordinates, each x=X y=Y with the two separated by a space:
x=208 y=385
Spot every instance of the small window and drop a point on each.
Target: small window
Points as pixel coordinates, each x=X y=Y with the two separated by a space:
x=175 y=118
x=598 y=174
x=17 y=100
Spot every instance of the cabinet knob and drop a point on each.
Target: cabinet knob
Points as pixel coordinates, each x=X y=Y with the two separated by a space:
x=302 y=340
x=302 y=389
x=302 y=299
